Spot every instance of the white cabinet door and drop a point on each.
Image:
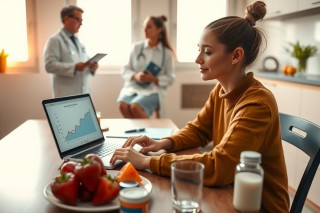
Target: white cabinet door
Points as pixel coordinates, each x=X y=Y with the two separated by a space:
x=310 y=110
x=283 y=7
x=310 y=105
x=308 y=4
x=287 y=96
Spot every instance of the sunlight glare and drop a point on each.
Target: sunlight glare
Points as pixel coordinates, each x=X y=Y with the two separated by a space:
x=13 y=31
x=192 y=18
x=106 y=30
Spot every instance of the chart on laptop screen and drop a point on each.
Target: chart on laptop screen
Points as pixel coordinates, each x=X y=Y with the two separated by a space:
x=73 y=122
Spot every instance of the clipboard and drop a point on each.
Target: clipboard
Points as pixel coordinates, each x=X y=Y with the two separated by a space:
x=97 y=57
x=154 y=69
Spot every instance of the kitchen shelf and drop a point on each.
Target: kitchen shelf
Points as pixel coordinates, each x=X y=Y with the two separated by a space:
x=297 y=78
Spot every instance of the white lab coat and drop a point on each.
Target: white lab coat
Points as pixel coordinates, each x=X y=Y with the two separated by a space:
x=61 y=56
x=136 y=64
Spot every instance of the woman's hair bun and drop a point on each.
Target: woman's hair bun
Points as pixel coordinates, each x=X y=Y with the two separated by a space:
x=255 y=12
x=163 y=18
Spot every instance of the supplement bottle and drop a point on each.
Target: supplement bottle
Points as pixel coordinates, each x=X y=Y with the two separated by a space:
x=248 y=182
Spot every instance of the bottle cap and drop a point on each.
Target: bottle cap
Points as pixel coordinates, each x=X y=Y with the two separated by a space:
x=128 y=184
x=134 y=195
x=250 y=157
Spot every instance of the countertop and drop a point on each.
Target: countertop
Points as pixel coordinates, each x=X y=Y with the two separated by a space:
x=297 y=78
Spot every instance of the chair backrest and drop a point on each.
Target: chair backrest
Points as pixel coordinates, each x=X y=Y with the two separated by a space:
x=305 y=135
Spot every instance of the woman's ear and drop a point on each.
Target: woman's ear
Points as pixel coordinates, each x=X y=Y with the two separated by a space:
x=237 y=55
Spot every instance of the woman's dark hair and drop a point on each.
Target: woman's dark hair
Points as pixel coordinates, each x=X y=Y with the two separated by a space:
x=163 y=38
x=233 y=31
x=69 y=11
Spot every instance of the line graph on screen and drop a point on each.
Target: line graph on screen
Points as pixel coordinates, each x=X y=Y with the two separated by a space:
x=84 y=127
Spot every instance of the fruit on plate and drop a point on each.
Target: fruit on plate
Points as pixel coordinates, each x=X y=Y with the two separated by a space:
x=84 y=195
x=84 y=181
x=97 y=158
x=65 y=187
x=68 y=166
x=88 y=172
x=128 y=172
x=289 y=70
x=108 y=189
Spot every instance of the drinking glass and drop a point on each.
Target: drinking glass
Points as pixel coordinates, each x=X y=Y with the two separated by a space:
x=186 y=185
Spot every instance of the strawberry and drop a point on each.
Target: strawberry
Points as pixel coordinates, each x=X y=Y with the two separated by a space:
x=65 y=188
x=84 y=195
x=88 y=172
x=69 y=166
x=97 y=158
x=108 y=189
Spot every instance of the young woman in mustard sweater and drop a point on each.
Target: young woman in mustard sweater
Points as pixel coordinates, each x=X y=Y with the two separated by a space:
x=240 y=114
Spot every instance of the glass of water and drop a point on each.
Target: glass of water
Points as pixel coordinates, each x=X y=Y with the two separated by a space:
x=187 y=185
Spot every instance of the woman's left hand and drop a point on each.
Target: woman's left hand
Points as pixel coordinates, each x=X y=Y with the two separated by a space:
x=149 y=77
x=129 y=154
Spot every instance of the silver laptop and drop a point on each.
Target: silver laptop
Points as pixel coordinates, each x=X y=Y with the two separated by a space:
x=76 y=130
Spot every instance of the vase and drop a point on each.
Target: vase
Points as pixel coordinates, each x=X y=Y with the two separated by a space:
x=3 y=65
x=302 y=64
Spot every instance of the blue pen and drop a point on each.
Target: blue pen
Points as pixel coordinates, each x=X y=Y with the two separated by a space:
x=135 y=130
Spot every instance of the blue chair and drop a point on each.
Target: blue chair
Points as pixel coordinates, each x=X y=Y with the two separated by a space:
x=304 y=135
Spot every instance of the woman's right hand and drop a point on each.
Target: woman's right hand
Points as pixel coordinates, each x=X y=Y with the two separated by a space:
x=147 y=144
x=141 y=77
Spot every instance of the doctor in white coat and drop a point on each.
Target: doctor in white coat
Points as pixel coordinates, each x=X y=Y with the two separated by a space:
x=65 y=57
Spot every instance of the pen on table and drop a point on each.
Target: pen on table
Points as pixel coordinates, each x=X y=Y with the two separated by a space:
x=135 y=130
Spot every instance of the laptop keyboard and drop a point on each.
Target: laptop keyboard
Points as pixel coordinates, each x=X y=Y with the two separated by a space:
x=101 y=151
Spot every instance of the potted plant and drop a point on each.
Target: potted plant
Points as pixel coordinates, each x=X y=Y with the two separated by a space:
x=3 y=61
x=302 y=53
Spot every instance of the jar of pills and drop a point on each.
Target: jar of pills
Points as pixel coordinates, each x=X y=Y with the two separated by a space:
x=248 y=182
x=134 y=199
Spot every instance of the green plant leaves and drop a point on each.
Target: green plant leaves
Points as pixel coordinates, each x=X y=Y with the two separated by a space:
x=301 y=52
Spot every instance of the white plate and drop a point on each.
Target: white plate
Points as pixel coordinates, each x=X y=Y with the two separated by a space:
x=87 y=206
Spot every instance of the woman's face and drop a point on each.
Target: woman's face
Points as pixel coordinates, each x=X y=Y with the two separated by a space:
x=214 y=62
x=150 y=30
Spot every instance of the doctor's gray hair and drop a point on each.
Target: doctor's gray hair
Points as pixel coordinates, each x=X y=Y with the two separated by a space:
x=69 y=11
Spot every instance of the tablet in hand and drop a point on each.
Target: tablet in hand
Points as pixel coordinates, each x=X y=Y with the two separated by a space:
x=96 y=58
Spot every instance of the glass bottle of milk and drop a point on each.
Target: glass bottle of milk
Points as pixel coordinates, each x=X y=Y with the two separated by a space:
x=248 y=182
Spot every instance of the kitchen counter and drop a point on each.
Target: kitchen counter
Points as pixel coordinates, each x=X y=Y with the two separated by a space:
x=297 y=78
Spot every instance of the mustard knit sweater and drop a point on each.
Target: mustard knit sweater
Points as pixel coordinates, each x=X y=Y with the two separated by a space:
x=246 y=118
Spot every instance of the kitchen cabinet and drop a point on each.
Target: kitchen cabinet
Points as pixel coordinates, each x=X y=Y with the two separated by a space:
x=287 y=96
x=308 y=4
x=290 y=8
x=278 y=8
x=303 y=101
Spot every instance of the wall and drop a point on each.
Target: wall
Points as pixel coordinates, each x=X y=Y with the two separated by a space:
x=305 y=29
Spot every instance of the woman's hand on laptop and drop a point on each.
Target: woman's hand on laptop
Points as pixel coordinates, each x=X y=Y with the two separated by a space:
x=129 y=154
x=138 y=159
x=147 y=144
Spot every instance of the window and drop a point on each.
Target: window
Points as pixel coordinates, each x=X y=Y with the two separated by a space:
x=192 y=18
x=107 y=29
x=18 y=41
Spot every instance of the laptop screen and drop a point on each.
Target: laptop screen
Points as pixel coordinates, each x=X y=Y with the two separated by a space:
x=73 y=121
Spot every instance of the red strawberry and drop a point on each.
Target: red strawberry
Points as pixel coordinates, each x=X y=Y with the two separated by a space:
x=84 y=195
x=88 y=172
x=108 y=189
x=65 y=188
x=68 y=167
x=97 y=158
